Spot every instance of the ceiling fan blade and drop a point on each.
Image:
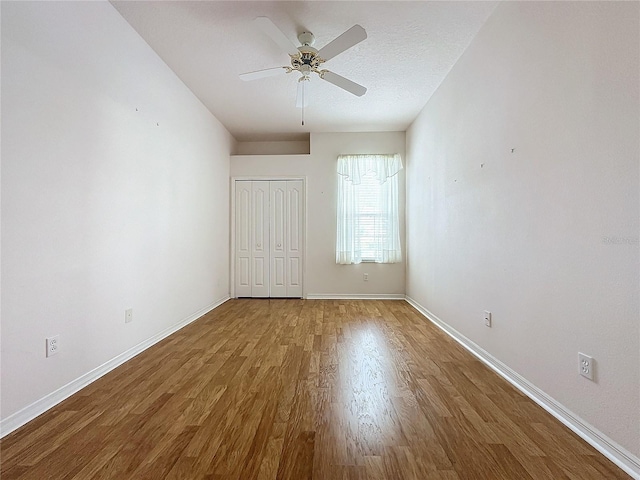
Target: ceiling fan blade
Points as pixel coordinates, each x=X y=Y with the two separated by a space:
x=348 y=39
x=344 y=83
x=302 y=99
x=273 y=32
x=267 y=72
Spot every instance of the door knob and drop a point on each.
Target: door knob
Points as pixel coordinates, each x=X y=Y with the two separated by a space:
x=279 y=245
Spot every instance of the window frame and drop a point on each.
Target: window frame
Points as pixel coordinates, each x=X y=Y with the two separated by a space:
x=364 y=170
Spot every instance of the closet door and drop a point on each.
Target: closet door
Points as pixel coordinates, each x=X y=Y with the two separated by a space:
x=243 y=239
x=277 y=226
x=260 y=239
x=268 y=238
x=293 y=238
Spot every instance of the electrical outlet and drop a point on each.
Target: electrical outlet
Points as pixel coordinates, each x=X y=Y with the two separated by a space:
x=365 y=277
x=487 y=318
x=586 y=365
x=128 y=315
x=53 y=345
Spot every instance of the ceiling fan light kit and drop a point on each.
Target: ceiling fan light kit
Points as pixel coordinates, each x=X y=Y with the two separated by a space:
x=306 y=59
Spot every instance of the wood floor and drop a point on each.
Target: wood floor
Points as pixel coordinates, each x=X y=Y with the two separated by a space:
x=295 y=389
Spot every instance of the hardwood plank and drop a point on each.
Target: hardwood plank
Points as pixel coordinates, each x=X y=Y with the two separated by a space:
x=302 y=389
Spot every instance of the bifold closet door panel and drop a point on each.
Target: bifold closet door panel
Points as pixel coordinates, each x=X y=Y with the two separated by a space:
x=260 y=239
x=243 y=240
x=293 y=238
x=268 y=238
x=277 y=225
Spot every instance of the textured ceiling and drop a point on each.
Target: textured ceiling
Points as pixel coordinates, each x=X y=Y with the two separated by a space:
x=411 y=46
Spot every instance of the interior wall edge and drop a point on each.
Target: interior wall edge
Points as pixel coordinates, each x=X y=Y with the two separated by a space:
x=624 y=459
x=30 y=412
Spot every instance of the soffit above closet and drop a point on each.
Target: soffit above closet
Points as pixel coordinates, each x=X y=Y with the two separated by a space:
x=411 y=46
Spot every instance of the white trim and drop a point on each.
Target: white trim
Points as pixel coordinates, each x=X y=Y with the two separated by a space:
x=356 y=296
x=28 y=413
x=624 y=459
x=268 y=178
x=232 y=239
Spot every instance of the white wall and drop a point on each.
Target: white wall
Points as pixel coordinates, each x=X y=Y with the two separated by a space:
x=292 y=147
x=323 y=276
x=114 y=195
x=545 y=237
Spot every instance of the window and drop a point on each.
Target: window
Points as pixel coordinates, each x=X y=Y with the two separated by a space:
x=368 y=225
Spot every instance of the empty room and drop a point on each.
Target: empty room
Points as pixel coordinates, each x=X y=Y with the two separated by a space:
x=320 y=240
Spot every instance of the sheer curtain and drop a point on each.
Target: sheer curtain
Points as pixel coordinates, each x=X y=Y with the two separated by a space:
x=366 y=206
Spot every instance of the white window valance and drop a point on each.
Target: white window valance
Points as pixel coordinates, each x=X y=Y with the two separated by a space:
x=382 y=166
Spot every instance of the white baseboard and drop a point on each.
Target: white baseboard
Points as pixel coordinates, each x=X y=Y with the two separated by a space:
x=357 y=296
x=609 y=448
x=38 y=407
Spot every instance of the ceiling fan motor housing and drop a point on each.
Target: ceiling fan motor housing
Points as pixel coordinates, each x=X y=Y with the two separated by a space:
x=307 y=60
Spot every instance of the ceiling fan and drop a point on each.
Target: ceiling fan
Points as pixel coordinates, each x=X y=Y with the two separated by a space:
x=307 y=60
